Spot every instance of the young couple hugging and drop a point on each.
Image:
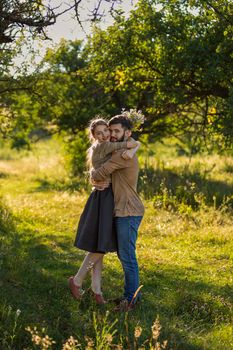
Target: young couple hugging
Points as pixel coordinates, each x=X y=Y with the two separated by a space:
x=113 y=212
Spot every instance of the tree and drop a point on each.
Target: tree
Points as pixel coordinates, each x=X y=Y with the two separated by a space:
x=174 y=60
x=37 y=15
x=19 y=21
x=70 y=94
x=15 y=15
x=63 y=95
x=24 y=19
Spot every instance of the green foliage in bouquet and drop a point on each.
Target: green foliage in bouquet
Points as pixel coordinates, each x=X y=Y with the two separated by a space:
x=136 y=117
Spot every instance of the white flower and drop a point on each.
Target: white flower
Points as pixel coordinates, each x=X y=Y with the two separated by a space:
x=136 y=117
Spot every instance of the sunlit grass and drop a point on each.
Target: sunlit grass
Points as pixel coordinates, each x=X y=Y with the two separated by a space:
x=185 y=258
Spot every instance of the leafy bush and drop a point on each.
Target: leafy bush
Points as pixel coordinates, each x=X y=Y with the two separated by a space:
x=169 y=188
x=227 y=204
x=76 y=148
x=228 y=168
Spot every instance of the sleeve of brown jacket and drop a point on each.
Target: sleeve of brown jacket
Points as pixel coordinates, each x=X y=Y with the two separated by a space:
x=109 y=147
x=116 y=162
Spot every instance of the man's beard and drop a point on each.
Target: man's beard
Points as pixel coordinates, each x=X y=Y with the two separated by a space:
x=118 y=140
x=122 y=138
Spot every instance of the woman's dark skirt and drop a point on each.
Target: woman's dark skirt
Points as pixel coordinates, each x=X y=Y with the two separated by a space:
x=96 y=232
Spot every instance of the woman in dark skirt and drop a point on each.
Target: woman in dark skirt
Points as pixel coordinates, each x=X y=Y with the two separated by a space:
x=96 y=222
x=95 y=233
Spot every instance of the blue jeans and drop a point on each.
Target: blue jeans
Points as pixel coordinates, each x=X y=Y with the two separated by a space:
x=127 y=232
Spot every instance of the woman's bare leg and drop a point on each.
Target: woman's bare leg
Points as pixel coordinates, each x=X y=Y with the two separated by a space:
x=87 y=264
x=96 y=276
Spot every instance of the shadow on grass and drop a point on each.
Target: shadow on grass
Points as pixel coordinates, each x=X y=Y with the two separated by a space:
x=34 y=280
x=191 y=188
x=186 y=308
x=185 y=186
x=69 y=185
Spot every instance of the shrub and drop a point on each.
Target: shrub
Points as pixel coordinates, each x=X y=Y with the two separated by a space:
x=227 y=204
x=76 y=148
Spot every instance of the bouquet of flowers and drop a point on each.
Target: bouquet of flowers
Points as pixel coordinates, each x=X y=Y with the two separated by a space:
x=136 y=117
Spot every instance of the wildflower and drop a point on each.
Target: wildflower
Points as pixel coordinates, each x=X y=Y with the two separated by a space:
x=70 y=344
x=18 y=312
x=136 y=117
x=46 y=342
x=36 y=339
x=156 y=327
x=109 y=338
x=90 y=343
x=137 y=331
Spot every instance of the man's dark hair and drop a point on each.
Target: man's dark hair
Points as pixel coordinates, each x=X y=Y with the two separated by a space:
x=121 y=119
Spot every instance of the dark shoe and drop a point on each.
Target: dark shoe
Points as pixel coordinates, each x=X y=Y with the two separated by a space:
x=76 y=291
x=124 y=306
x=116 y=300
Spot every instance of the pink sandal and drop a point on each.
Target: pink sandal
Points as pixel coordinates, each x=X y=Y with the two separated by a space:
x=76 y=291
x=99 y=299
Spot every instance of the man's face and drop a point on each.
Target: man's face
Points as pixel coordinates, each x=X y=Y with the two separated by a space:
x=118 y=133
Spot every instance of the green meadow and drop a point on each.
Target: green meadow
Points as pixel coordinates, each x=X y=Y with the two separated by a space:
x=185 y=254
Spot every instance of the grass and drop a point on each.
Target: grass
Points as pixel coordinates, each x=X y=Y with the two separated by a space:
x=185 y=255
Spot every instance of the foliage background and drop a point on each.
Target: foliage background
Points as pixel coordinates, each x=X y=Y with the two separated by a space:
x=174 y=61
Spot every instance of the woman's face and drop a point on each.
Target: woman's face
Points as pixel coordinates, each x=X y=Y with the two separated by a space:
x=101 y=133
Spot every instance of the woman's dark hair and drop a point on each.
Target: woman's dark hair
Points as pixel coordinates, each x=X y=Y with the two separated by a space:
x=123 y=120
